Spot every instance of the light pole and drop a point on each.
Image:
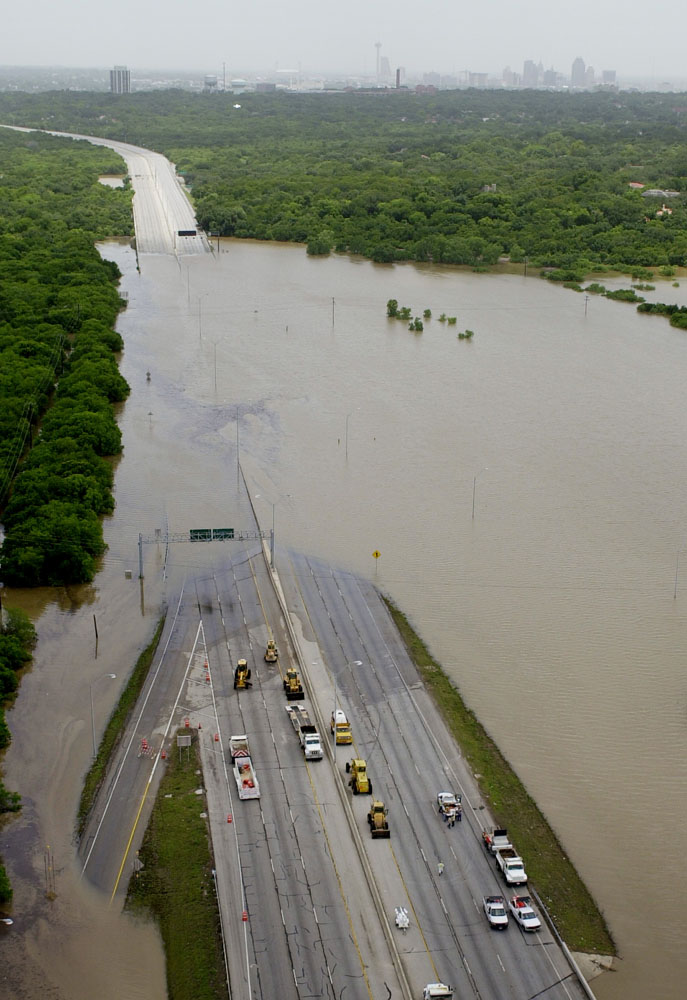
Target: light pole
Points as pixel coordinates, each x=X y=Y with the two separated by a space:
x=347 y=417
x=112 y=677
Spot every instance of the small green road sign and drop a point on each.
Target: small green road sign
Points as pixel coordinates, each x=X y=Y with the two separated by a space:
x=221 y=534
x=200 y=534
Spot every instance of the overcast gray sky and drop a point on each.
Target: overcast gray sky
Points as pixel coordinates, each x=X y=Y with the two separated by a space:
x=646 y=40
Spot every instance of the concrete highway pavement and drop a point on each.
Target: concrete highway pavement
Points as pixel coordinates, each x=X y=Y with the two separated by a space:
x=410 y=758
x=161 y=207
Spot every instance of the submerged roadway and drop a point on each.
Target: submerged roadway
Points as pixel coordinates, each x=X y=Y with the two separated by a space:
x=307 y=899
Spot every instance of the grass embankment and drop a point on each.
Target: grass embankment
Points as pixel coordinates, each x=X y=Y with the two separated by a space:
x=567 y=899
x=115 y=727
x=176 y=884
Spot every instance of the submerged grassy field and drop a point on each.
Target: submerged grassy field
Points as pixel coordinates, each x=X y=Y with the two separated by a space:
x=567 y=899
x=176 y=884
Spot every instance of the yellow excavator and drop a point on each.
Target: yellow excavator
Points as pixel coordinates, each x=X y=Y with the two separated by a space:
x=242 y=676
x=292 y=685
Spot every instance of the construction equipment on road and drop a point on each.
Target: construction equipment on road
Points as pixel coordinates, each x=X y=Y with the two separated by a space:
x=292 y=685
x=376 y=818
x=359 y=781
x=402 y=918
x=244 y=773
x=242 y=676
x=271 y=653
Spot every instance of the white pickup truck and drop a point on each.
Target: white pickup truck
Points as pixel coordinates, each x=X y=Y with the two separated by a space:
x=495 y=910
x=433 y=991
x=525 y=917
x=511 y=866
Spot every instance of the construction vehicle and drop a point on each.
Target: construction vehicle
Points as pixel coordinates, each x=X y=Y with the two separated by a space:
x=242 y=676
x=271 y=653
x=376 y=818
x=244 y=773
x=495 y=841
x=292 y=685
x=308 y=736
x=511 y=866
x=359 y=781
x=341 y=728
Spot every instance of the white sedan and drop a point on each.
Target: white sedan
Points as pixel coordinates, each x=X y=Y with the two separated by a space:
x=525 y=917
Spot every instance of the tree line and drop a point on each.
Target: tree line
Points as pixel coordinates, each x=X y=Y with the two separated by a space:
x=58 y=377
x=459 y=177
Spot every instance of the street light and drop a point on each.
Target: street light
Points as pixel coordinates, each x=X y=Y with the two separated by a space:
x=347 y=416
x=112 y=677
x=474 y=486
x=259 y=497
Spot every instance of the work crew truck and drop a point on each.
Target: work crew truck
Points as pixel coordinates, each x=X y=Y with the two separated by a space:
x=511 y=866
x=307 y=733
x=246 y=781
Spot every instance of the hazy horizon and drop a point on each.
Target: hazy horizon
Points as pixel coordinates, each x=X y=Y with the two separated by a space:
x=340 y=40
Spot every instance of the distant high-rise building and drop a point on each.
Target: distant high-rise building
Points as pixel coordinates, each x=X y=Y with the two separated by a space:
x=385 y=68
x=589 y=78
x=530 y=74
x=577 y=74
x=608 y=77
x=120 y=80
x=550 y=78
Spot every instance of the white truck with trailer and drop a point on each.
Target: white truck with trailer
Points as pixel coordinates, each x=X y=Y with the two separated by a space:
x=307 y=733
x=244 y=772
x=495 y=841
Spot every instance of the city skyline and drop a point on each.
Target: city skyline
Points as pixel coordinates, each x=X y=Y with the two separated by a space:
x=338 y=40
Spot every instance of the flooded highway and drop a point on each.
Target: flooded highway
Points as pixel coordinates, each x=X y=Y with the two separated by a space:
x=524 y=491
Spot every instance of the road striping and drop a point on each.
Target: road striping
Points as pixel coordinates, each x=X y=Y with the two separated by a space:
x=157 y=758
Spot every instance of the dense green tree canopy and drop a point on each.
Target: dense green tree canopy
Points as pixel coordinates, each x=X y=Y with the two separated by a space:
x=461 y=177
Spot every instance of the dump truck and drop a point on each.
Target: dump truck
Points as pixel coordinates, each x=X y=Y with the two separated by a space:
x=292 y=685
x=511 y=866
x=271 y=652
x=242 y=676
x=359 y=781
x=244 y=773
x=341 y=727
x=376 y=818
x=308 y=736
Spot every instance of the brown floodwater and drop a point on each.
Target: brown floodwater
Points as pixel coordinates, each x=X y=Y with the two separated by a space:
x=524 y=490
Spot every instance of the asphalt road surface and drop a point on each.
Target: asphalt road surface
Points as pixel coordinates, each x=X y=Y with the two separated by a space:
x=307 y=898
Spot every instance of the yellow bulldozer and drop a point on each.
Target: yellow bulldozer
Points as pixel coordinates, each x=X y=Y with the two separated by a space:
x=379 y=825
x=292 y=685
x=359 y=781
x=242 y=676
x=271 y=653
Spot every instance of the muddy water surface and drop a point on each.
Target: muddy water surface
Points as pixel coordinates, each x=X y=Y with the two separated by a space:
x=525 y=490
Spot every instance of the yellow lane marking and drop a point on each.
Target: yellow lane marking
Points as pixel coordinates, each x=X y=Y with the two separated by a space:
x=133 y=831
x=264 y=613
x=410 y=904
x=341 y=888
